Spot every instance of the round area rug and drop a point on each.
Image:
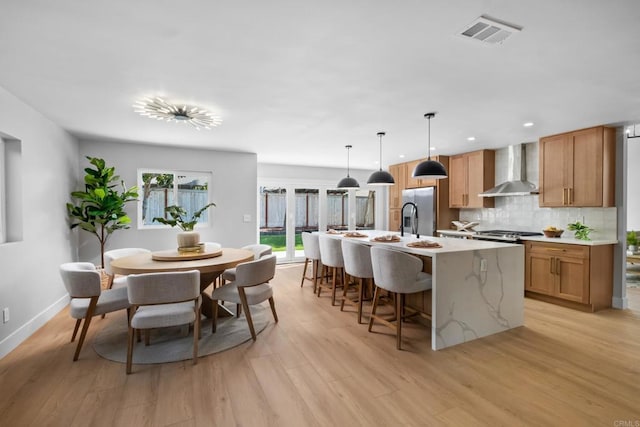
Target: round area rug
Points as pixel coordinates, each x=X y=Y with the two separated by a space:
x=174 y=344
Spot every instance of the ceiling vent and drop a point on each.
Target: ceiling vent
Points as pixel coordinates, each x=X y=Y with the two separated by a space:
x=489 y=30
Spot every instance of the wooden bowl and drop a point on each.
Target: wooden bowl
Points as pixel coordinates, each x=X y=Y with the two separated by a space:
x=552 y=233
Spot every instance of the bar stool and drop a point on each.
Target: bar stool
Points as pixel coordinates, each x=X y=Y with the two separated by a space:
x=400 y=274
x=331 y=257
x=357 y=264
x=311 y=253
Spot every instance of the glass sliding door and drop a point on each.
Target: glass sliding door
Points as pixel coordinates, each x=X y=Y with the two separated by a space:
x=365 y=209
x=273 y=218
x=337 y=209
x=284 y=214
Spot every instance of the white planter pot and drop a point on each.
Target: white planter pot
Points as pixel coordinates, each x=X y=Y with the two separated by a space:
x=188 y=239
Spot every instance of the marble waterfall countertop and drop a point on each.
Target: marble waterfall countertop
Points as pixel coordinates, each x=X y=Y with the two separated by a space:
x=477 y=286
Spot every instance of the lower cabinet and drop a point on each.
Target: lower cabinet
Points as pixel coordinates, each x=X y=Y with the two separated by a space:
x=578 y=276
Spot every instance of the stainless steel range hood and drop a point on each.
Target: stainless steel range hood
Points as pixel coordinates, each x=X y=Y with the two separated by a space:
x=517 y=184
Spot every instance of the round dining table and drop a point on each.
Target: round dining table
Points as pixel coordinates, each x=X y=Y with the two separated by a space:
x=210 y=263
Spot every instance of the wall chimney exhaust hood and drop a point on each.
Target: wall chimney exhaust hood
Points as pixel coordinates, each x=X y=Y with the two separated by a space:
x=517 y=184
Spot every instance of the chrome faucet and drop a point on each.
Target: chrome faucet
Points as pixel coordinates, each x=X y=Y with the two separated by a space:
x=415 y=208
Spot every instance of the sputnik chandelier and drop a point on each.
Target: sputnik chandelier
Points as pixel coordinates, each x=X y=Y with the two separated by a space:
x=159 y=109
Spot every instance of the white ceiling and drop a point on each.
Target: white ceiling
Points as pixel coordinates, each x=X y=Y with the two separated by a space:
x=295 y=81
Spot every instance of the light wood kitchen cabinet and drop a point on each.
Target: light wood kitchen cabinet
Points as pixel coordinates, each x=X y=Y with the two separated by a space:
x=395 y=191
x=411 y=181
x=577 y=169
x=469 y=175
x=394 y=219
x=565 y=274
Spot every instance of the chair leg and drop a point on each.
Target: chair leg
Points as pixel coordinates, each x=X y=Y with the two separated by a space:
x=376 y=297
x=399 y=304
x=273 y=309
x=247 y=313
x=345 y=288
x=75 y=329
x=304 y=271
x=238 y=310
x=214 y=315
x=314 y=265
x=360 y=298
x=131 y=335
x=333 y=286
x=196 y=335
x=87 y=321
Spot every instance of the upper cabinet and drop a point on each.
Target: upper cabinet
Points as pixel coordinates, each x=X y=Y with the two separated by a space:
x=469 y=175
x=577 y=169
x=395 y=191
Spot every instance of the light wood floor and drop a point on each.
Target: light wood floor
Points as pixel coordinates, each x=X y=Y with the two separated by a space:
x=318 y=367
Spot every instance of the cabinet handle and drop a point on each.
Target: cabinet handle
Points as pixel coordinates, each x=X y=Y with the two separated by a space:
x=570 y=193
x=558 y=266
x=564 y=196
x=552 y=261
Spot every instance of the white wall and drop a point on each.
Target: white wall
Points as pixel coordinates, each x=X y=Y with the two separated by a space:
x=234 y=193
x=633 y=179
x=30 y=284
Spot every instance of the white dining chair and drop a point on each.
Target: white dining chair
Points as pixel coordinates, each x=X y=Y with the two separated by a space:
x=311 y=248
x=259 y=251
x=250 y=287
x=357 y=265
x=160 y=300
x=331 y=257
x=83 y=283
x=109 y=256
x=399 y=273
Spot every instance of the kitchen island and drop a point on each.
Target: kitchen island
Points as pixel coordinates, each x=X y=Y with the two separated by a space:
x=478 y=286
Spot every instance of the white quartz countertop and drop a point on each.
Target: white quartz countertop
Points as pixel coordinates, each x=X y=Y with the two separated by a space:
x=448 y=245
x=566 y=238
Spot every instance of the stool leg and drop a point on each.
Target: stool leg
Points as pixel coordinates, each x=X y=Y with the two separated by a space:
x=360 y=297
x=399 y=304
x=314 y=267
x=376 y=296
x=304 y=271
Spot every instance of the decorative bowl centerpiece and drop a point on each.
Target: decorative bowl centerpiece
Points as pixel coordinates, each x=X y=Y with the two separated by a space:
x=552 y=232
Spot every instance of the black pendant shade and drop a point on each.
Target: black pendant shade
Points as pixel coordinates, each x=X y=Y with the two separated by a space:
x=381 y=177
x=430 y=169
x=348 y=182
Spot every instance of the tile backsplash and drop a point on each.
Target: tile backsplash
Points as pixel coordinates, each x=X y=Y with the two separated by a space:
x=523 y=212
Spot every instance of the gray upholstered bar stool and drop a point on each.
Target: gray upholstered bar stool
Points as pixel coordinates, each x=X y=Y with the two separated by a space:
x=399 y=273
x=311 y=253
x=357 y=264
x=331 y=257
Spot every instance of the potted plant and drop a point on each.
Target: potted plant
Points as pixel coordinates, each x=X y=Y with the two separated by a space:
x=632 y=241
x=99 y=209
x=581 y=231
x=177 y=218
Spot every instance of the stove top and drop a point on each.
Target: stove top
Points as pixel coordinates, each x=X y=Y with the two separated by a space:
x=506 y=235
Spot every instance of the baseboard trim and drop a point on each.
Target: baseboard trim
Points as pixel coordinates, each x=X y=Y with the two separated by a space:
x=620 y=303
x=16 y=338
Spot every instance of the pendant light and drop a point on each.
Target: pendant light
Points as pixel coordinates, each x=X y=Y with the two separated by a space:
x=381 y=177
x=348 y=182
x=430 y=169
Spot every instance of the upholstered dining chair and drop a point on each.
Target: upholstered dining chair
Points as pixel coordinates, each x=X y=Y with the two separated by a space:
x=83 y=283
x=311 y=253
x=331 y=257
x=160 y=300
x=259 y=251
x=114 y=254
x=357 y=265
x=250 y=287
x=399 y=273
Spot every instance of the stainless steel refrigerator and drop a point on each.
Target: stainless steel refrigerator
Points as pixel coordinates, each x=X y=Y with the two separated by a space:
x=419 y=211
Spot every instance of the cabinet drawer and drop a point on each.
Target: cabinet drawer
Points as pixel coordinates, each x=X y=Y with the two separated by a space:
x=558 y=249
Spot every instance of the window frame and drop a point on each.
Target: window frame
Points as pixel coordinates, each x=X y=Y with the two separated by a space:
x=203 y=222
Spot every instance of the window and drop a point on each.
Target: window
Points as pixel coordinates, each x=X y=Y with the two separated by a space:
x=162 y=188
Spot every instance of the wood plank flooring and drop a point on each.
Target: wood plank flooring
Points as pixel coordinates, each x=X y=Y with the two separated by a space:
x=318 y=367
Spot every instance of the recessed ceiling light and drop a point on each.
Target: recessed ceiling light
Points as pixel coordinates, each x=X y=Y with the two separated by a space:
x=401 y=156
x=432 y=148
x=528 y=124
x=471 y=138
x=159 y=109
